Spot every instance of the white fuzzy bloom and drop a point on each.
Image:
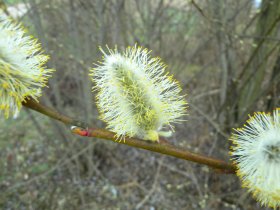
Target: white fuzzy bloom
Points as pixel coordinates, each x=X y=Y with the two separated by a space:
x=22 y=71
x=135 y=95
x=256 y=153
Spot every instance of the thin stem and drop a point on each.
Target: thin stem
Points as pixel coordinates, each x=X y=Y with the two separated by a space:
x=32 y=104
x=163 y=147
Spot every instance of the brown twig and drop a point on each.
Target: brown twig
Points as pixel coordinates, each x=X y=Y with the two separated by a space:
x=32 y=104
x=163 y=147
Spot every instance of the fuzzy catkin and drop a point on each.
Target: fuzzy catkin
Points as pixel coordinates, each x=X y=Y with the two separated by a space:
x=136 y=97
x=22 y=70
x=256 y=154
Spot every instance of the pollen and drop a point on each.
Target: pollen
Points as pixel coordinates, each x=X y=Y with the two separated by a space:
x=5 y=85
x=135 y=96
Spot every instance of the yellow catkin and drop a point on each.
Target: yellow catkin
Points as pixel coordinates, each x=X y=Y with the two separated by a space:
x=22 y=66
x=135 y=96
x=256 y=154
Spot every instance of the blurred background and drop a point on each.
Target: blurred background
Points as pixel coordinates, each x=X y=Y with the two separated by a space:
x=225 y=53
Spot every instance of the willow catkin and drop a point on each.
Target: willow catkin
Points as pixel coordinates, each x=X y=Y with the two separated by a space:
x=22 y=67
x=136 y=97
x=256 y=154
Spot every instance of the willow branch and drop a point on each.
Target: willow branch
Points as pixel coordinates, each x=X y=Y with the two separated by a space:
x=163 y=147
